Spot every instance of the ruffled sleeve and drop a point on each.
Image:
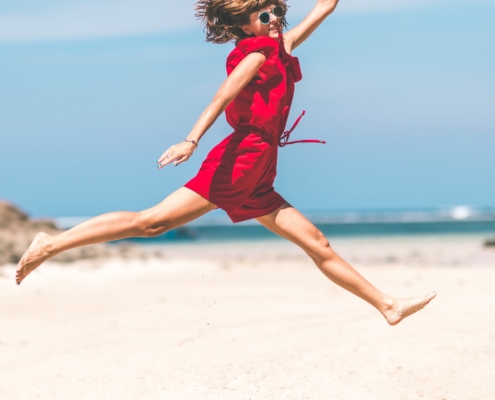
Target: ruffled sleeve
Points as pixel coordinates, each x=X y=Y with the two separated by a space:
x=258 y=44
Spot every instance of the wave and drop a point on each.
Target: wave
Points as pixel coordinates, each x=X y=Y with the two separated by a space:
x=217 y=226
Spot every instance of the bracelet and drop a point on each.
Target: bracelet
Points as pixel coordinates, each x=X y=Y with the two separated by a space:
x=191 y=141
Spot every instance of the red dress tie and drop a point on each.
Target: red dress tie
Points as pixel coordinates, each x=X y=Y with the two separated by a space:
x=284 y=138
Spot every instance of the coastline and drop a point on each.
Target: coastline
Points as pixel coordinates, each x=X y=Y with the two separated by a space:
x=424 y=250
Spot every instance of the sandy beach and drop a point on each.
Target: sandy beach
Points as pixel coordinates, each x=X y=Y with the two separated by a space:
x=251 y=321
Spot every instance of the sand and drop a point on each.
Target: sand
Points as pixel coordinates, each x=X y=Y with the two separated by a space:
x=250 y=321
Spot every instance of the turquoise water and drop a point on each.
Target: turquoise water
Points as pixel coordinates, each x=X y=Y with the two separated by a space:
x=217 y=227
x=255 y=232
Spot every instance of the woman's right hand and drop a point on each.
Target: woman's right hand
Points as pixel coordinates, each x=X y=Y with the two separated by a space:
x=177 y=153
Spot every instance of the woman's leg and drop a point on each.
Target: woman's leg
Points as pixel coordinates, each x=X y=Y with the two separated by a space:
x=292 y=225
x=180 y=207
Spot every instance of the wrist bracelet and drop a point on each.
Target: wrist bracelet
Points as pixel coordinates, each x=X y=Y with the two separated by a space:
x=191 y=141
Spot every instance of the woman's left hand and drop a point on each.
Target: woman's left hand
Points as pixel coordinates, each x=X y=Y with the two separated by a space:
x=179 y=153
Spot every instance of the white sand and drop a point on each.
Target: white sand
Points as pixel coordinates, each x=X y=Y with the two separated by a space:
x=257 y=321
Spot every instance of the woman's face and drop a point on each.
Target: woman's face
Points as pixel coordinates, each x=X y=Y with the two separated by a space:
x=256 y=28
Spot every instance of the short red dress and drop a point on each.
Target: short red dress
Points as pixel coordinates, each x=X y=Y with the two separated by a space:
x=238 y=173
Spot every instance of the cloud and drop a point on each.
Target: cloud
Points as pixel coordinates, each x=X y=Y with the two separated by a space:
x=79 y=19
x=96 y=20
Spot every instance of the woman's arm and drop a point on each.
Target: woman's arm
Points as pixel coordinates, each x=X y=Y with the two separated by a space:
x=240 y=77
x=301 y=32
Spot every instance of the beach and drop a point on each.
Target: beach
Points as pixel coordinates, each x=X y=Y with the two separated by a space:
x=251 y=320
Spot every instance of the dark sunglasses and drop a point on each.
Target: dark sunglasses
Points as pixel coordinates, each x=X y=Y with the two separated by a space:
x=264 y=16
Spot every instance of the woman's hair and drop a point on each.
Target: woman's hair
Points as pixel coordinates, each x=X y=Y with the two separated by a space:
x=223 y=18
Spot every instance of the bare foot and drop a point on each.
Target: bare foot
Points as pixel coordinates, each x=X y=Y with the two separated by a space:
x=34 y=256
x=402 y=308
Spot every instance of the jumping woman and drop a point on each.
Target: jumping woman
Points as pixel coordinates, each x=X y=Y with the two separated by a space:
x=238 y=173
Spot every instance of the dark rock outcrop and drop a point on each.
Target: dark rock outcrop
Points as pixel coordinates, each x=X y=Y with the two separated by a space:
x=17 y=231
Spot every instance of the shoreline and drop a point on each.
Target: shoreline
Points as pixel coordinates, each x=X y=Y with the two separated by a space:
x=428 y=250
x=420 y=251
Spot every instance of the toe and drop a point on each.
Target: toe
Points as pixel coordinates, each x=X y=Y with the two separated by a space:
x=19 y=277
x=430 y=297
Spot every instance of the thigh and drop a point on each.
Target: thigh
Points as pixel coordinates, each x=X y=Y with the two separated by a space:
x=289 y=223
x=179 y=208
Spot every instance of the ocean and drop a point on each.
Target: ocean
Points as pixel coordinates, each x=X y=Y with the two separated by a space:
x=216 y=226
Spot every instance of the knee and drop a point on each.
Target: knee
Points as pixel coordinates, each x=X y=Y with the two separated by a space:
x=148 y=226
x=323 y=250
x=321 y=241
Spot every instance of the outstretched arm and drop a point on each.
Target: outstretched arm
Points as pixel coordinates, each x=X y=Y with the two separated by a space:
x=240 y=77
x=301 y=32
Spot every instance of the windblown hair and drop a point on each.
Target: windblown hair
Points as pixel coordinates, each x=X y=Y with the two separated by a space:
x=223 y=19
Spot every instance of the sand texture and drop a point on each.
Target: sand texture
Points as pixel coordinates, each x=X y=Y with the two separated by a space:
x=254 y=321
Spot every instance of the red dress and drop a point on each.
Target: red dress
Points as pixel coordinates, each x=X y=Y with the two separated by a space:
x=238 y=173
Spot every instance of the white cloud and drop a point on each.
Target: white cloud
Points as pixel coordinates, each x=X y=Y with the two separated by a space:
x=79 y=19
x=103 y=19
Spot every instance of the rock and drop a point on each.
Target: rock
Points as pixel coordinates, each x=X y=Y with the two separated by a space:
x=17 y=231
x=10 y=215
x=490 y=243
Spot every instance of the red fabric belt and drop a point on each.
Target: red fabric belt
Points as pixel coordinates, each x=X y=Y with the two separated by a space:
x=253 y=128
x=284 y=138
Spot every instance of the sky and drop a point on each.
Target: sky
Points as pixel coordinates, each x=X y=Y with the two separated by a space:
x=92 y=93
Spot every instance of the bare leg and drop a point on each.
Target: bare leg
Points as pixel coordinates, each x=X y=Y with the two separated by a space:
x=180 y=207
x=292 y=225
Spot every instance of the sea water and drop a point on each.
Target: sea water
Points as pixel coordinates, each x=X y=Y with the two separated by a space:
x=216 y=226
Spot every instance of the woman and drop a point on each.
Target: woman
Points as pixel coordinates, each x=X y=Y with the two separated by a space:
x=238 y=173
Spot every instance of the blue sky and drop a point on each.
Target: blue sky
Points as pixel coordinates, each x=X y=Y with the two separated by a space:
x=93 y=92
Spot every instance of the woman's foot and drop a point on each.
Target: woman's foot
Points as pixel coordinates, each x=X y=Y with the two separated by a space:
x=34 y=256
x=398 y=309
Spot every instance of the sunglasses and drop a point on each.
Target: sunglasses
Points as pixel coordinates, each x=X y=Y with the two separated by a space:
x=264 y=16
